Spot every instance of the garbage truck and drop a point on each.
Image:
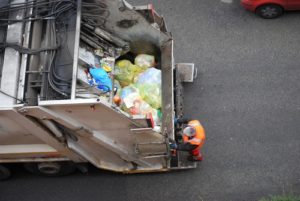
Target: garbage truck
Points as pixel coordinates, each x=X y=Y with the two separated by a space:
x=88 y=81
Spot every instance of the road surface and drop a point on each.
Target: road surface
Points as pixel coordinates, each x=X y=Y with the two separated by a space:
x=247 y=96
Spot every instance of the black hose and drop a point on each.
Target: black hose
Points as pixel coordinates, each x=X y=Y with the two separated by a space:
x=24 y=50
x=12 y=96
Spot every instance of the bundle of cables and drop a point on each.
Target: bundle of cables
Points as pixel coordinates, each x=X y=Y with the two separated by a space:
x=52 y=11
x=24 y=50
x=95 y=14
x=59 y=84
x=43 y=10
x=49 y=11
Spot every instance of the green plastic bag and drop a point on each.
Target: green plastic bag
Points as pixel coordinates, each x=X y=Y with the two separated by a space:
x=151 y=93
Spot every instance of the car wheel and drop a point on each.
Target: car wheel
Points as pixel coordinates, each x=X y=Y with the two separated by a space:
x=51 y=169
x=269 y=11
x=4 y=173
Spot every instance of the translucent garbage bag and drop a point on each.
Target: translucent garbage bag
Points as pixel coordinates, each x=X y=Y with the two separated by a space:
x=151 y=93
x=150 y=76
x=128 y=96
x=126 y=72
x=141 y=107
x=133 y=104
x=149 y=84
x=124 y=63
x=144 y=60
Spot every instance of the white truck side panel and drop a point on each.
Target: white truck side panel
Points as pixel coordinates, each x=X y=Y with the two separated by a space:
x=10 y=72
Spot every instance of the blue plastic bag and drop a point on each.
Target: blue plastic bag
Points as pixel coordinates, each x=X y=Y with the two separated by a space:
x=101 y=79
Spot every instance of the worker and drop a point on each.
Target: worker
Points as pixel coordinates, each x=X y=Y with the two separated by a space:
x=193 y=139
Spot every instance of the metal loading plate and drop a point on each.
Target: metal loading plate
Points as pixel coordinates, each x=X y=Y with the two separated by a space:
x=180 y=161
x=188 y=71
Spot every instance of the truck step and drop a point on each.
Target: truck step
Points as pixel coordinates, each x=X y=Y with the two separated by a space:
x=151 y=143
x=142 y=121
x=183 y=161
x=141 y=130
x=155 y=155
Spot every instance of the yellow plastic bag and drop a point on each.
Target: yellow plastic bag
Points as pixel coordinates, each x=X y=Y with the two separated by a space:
x=126 y=72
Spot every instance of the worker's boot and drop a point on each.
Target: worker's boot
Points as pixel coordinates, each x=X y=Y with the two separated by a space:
x=196 y=158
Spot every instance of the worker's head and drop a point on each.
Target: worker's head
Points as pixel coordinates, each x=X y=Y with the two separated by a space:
x=189 y=131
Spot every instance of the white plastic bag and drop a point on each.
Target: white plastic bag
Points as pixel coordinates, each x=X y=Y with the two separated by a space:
x=145 y=60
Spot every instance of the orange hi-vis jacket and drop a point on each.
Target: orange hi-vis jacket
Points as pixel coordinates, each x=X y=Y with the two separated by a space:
x=199 y=138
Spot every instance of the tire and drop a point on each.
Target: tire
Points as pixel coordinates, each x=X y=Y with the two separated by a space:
x=51 y=169
x=4 y=173
x=269 y=11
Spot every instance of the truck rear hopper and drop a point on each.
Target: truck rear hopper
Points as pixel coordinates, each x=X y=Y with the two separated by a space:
x=48 y=131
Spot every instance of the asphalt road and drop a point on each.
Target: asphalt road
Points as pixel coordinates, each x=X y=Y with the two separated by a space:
x=247 y=97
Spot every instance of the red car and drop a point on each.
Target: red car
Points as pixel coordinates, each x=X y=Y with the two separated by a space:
x=270 y=8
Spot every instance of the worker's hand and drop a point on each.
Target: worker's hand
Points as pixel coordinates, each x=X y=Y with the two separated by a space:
x=173 y=146
x=181 y=120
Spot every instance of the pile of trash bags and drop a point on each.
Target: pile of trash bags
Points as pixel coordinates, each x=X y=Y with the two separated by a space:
x=140 y=87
